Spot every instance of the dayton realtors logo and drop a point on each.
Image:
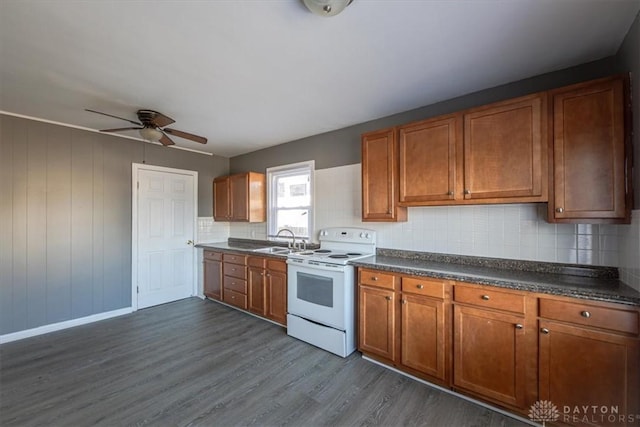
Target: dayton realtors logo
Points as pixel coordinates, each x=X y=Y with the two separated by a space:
x=544 y=411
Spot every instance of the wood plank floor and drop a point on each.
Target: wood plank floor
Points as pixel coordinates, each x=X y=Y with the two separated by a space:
x=200 y=363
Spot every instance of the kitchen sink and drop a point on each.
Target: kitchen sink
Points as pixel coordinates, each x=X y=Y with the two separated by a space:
x=277 y=250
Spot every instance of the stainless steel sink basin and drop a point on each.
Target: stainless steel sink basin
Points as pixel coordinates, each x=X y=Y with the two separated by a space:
x=278 y=250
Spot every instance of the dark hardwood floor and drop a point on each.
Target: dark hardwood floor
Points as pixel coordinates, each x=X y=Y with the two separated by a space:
x=197 y=362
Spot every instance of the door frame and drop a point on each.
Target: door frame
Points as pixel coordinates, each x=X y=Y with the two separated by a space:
x=135 y=169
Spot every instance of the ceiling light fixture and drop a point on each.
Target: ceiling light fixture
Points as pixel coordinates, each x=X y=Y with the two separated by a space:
x=326 y=7
x=150 y=134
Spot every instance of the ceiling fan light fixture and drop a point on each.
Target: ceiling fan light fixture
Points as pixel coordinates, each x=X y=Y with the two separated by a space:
x=150 y=134
x=326 y=7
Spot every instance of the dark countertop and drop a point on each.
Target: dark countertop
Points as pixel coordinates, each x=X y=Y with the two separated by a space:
x=578 y=281
x=605 y=288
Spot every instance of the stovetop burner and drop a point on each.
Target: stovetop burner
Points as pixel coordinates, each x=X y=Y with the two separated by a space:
x=339 y=256
x=322 y=251
x=354 y=253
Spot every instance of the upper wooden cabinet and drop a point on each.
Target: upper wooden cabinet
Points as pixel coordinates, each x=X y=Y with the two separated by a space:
x=431 y=160
x=380 y=177
x=240 y=197
x=591 y=166
x=505 y=151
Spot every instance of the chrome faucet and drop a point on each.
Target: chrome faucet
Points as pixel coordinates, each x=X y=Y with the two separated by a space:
x=292 y=243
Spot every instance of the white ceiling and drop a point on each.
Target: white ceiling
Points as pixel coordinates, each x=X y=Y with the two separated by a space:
x=249 y=74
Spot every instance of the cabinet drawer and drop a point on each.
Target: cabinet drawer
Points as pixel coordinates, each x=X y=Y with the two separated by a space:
x=254 y=261
x=213 y=256
x=590 y=315
x=235 y=259
x=275 y=265
x=235 y=284
x=378 y=279
x=489 y=298
x=234 y=270
x=235 y=298
x=423 y=286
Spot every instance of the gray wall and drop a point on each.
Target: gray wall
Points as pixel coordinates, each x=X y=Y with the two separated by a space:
x=342 y=147
x=629 y=60
x=65 y=219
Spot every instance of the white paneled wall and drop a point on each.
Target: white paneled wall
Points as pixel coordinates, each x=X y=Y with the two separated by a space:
x=516 y=231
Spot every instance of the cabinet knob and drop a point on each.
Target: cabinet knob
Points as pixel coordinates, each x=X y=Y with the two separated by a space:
x=420 y=286
x=388 y=298
x=559 y=210
x=585 y=314
x=467 y=192
x=449 y=193
x=519 y=326
x=404 y=301
x=544 y=330
x=485 y=297
x=374 y=278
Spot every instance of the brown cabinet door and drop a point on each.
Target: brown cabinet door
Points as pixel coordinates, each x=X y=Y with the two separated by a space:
x=239 y=187
x=505 y=149
x=423 y=335
x=581 y=367
x=221 y=199
x=379 y=177
x=429 y=154
x=489 y=355
x=213 y=279
x=589 y=168
x=377 y=322
x=277 y=296
x=257 y=295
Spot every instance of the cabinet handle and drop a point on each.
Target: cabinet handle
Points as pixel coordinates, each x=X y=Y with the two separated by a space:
x=519 y=326
x=388 y=298
x=485 y=297
x=544 y=330
x=585 y=314
x=420 y=286
x=559 y=210
x=374 y=278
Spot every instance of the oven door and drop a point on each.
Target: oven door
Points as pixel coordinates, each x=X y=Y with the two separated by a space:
x=317 y=293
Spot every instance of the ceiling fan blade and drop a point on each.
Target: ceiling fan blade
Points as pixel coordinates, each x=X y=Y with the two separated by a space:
x=185 y=135
x=111 y=115
x=165 y=140
x=161 y=120
x=118 y=129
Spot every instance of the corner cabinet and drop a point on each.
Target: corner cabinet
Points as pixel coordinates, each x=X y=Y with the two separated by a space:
x=240 y=197
x=591 y=155
x=380 y=177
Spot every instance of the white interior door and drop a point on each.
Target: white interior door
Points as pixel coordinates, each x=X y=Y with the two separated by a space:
x=165 y=229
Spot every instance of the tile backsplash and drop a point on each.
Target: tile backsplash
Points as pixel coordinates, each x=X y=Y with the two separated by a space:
x=516 y=231
x=210 y=231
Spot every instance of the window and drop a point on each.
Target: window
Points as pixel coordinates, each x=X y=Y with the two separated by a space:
x=290 y=199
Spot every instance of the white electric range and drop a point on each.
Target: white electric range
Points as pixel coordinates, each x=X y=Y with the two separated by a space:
x=321 y=289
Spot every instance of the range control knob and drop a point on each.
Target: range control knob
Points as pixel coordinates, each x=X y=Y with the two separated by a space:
x=361 y=235
x=367 y=236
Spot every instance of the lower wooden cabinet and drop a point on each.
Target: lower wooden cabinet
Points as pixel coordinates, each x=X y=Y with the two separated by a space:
x=507 y=347
x=489 y=355
x=276 y=292
x=267 y=286
x=403 y=321
x=377 y=322
x=586 y=360
x=212 y=262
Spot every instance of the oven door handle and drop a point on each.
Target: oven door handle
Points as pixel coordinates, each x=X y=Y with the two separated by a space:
x=315 y=267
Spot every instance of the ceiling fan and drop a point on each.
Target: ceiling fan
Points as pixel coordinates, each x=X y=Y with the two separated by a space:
x=152 y=127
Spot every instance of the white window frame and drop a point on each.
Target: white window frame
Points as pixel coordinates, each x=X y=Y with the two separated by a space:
x=272 y=193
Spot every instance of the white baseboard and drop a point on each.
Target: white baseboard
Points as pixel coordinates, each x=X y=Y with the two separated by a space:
x=15 y=336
